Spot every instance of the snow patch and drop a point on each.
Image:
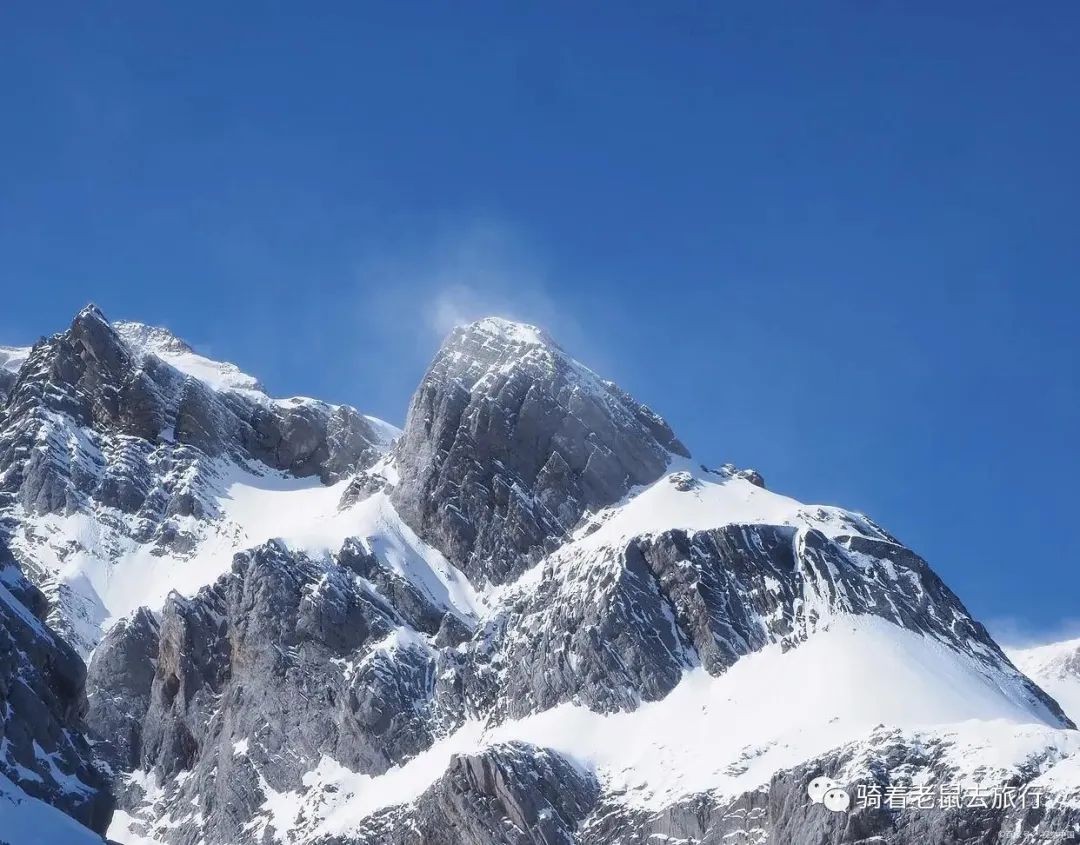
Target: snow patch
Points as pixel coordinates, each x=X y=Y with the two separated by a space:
x=24 y=820
x=690 y=499
x=160 y=342
x=102 y=575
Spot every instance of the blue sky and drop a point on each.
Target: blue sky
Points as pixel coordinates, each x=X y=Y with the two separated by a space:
x=836 y=243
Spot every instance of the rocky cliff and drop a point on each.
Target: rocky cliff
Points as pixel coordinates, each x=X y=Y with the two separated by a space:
x=45 y=755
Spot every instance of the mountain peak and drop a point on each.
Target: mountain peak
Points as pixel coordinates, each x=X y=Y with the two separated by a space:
x=470 y=627
x=151 y=338
x=508 y=330
x=90 y=312
x=161 y=342
x=509 y=441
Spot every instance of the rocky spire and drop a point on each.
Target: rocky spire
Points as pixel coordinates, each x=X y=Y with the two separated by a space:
x=509 y=440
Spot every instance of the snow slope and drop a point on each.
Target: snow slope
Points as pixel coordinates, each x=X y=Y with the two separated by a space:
x=96 y=562
x=836 y=677
x=153 y=340
x=116 y=574
x=691 y=498
x=112 y=574
x=24 y=820
x=727 y=735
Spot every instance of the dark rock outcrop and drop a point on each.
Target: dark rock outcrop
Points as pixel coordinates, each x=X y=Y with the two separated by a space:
x=512 y=794
x=238 y=706
x=492 y=799
x=43 y=749
x=90 y=377
x=119 y=678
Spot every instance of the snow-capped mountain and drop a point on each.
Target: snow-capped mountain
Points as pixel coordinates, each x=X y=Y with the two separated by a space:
x=1056 y=668
x=130 y=466
x=527 y=617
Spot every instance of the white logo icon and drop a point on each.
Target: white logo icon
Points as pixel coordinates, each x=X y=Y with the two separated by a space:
x=837 y=800
x=823 y=790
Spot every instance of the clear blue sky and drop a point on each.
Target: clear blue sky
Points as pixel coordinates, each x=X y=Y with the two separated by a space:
x=839 y=242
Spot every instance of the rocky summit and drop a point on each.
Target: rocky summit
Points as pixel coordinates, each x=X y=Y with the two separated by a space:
x=527 y=616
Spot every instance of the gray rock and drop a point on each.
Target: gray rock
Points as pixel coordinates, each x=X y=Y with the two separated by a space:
x=119 y=678
x=890 y=759
x=408 y=601
x=508 y=441
x=751 y=475
x=92 y=376
x=619 y=627
x=282 y=661
x=361 y=486
x=230 y=697
x=480 y=801
x=697 y=820
x=511 y=794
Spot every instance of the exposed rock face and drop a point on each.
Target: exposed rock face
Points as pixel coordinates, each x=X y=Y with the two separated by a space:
x=479 y=802
x=514 y=794
x=90 y=375
x=608 y=633
x=42 y=749
x=100 y=423
x=610 y=628
x=889 y=759
x=751 y=475
x=700 y=819
x=119 y=679
x=279 y=663
x=509 y=441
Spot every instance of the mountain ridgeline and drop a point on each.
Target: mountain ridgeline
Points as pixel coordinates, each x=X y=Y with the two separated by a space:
x=528 y=616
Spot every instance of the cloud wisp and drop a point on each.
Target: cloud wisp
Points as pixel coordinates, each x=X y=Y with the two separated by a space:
x=1011 y=632
x=413 y=295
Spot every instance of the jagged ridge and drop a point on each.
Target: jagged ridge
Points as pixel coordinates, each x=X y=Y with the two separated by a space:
x=100 y=429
